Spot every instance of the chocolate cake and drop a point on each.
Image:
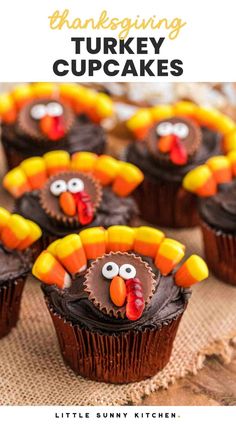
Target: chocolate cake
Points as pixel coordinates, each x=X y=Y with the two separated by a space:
x=16 y=258
x=115 y=300
x=63 y=194
x=43 y=122
x=173 y=141
x=215 y=186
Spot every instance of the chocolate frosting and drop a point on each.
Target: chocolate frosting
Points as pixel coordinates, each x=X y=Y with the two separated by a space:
x=83 y=136
x=219 y=211
x=138 y=154
x=167 y=303
x=13 y=264
x=113 y=210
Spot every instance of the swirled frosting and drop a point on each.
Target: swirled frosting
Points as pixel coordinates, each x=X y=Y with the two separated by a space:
x=139 y=154
x=167 y=303
x=113 y=210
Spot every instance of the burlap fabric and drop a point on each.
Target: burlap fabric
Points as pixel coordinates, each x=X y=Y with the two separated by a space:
x=32 y=371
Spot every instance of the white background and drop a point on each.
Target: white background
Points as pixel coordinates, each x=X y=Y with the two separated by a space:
x=206 y=44
x=184 y=415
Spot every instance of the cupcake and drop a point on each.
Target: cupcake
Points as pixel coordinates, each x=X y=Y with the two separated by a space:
x=66 y=194
x=215 y=185
x=17 y=238
x=42 y=117
x=169 y=142
x=116 y=300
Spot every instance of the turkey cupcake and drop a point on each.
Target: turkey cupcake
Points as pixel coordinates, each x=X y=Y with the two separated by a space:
x=116 y=298
x=65 y=194
x=41 y=117
x=215 y=185
x=168 y=142
x=17 y=240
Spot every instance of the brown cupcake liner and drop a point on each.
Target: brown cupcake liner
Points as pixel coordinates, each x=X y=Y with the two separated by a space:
x=123 y=358
x=166 y=203
x=10 y=300
x=67 y=221
x=220 y=253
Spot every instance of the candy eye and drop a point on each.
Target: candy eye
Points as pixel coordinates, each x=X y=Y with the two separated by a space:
x=181 y=130
x=54 y=109
x=127 y=271
x=110 y=270
x=58 y=187
x=38 y=111
x=164 y=128
x=75 y=185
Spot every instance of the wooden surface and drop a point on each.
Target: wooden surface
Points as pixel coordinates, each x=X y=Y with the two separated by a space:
x=215 y=385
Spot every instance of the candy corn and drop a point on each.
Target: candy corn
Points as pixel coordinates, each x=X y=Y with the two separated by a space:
x=83 y=161
x=35 y=170
x=161 y=112
x=169 y=255
x=103 y=106
x=232 y=159
x=85 y=101
x=16 y=182
x=208 y=117
x=94 y=242
x=7 y=108
x=120 y=238
x=229 y=141
x=35 y=234
x=15 y=232
x=225 y=124
x=52 y=248
x=48 y=270
x=127 y=179
x=4 y=218
x=118 y=291
x=105 y=169
x=57 y=161
x=22 y=94
x=70 y=93
x=185 y=108
x=192 y=271
x=140 y=123
x=44 y=89
x=147 y=241
x=220 y=167
x=200 y=181
x=70 y=252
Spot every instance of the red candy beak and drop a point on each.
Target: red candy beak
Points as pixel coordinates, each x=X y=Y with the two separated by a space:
x=172 y=144
x=72 y=203
x=53 y=127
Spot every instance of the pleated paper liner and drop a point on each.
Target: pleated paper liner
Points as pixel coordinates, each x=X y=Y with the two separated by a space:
x=127 y=357
x=10 y=299
x=166 y=203
x=220 y=252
